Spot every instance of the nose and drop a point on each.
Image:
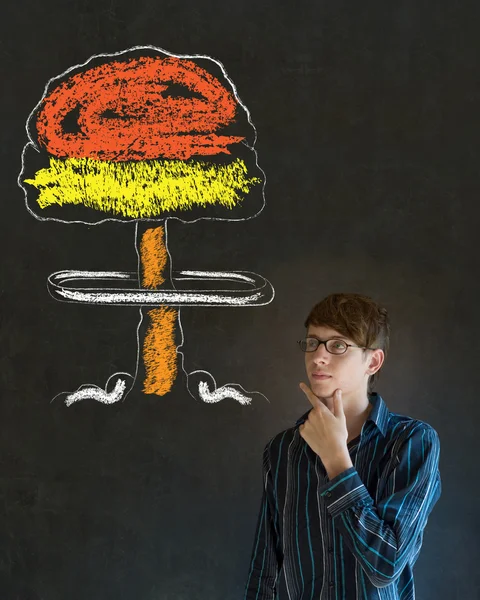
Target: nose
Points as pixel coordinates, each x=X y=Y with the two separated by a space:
x=321 y=355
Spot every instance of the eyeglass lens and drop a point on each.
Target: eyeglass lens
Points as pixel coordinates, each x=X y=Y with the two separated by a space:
x=333 y=346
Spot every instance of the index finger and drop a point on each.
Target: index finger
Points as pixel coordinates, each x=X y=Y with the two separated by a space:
x=314 y=401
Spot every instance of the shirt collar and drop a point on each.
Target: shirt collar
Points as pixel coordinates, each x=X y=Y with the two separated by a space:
x=379 y=413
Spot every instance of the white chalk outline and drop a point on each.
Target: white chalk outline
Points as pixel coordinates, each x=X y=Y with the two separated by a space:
x=93 y=391
x=258 y=295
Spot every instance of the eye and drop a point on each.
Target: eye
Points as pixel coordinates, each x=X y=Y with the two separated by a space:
x=337 y=346
x=311 y=343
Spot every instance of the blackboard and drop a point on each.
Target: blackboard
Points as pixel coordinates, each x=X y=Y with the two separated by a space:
x=367 y=129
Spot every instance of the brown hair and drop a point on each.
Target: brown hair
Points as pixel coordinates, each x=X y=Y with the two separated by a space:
x=357 y=317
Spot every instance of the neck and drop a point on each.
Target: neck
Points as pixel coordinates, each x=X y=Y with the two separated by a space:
x=356 y=413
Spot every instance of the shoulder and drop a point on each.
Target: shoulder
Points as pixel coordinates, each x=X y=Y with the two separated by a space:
x=406 y=433
x=404 y=427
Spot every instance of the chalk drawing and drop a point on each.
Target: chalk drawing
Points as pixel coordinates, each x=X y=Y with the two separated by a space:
x=144 y=135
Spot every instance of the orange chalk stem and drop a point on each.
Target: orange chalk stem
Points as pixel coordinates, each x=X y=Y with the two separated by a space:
x=159 y=348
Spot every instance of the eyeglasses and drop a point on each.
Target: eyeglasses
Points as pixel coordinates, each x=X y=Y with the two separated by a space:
x=333 y=345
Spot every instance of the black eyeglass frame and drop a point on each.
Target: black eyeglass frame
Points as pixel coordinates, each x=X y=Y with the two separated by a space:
x=347 y=346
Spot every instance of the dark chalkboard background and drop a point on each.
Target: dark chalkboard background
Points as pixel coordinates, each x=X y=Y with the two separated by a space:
x=369 y=133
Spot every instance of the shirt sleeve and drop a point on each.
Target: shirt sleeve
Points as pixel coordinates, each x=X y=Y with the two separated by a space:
x=385 y=536
x=266 y=555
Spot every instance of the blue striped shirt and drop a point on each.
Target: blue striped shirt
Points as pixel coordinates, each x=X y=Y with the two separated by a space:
x=356 y=536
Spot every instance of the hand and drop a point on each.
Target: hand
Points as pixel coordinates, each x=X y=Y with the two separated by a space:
x=325 y=431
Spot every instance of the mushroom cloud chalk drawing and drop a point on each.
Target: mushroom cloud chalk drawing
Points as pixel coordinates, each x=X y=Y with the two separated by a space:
x=143 y=135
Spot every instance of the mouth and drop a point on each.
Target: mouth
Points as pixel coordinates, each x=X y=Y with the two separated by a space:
x=320 y=376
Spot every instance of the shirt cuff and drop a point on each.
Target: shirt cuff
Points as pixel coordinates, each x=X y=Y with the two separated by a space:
x=345 y=491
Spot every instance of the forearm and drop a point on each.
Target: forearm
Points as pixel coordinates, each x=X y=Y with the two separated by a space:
x=372 y=541
x=383 y=538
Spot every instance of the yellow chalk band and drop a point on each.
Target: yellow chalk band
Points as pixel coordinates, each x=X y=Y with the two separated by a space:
x=141 y=189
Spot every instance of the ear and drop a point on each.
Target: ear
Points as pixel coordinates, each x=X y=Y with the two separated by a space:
x=375 y=362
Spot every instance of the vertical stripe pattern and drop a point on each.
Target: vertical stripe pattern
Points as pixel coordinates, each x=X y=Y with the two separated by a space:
x=356 y=536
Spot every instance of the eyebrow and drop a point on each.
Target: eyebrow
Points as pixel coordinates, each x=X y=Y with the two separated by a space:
x=333 y=337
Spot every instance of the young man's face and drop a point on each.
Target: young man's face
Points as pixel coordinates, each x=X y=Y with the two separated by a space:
x=350 y=371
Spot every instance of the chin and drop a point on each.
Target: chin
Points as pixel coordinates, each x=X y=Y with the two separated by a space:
x=322 y=390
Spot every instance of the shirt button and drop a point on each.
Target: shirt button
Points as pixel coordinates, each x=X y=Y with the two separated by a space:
x=330 y=550
x=328 y=494
x=331 y=584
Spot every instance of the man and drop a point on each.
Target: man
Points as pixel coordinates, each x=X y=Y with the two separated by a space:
x=348 y=489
